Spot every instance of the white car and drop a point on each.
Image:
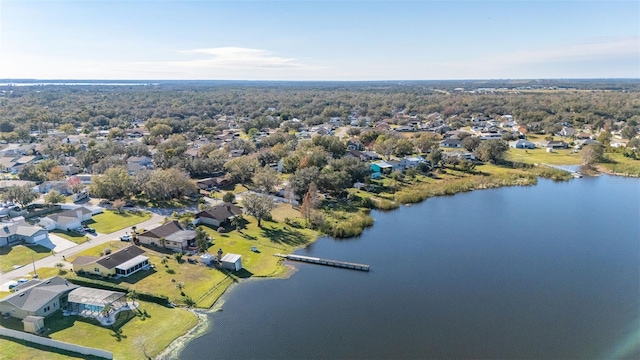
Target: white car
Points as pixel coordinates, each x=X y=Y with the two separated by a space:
x=125 y=238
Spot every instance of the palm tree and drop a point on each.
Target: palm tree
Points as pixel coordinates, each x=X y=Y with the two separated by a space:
x=163 y=242
x=133 y=229
x=133 y=296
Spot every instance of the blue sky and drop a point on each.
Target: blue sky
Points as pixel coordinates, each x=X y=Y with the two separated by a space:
x=319 y=40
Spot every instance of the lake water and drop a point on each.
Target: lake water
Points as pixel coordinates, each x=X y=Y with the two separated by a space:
x=544 y=272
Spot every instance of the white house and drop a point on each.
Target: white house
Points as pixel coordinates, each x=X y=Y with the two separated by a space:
x=69 y=219
x=522 y=144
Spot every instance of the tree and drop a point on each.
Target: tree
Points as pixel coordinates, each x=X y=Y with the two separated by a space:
x=470 y=143
x=301 y=179
x=202 y=241
x=491 y=150
x=22 y=195
x=628 y=132
x=592 y=154
x=634 y=143
x=330 y=144
x=310 y=201
x=60 y=267
x=229 y=197
x=54 y=197
x=403 y=147
x=259 y=206
x=133 y=296
x=385 y=146
x=56 y=174
x=118 y=204
x=605 y=138
x=163 y=130
x=266 y=179
x=163 y=242
x=113 y=184
x=435 y=157
x=241 y=168
x=426 y=142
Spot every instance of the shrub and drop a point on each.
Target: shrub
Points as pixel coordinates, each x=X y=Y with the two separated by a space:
x=170 y=271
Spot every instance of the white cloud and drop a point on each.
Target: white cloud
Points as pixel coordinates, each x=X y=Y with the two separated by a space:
x=239 y=58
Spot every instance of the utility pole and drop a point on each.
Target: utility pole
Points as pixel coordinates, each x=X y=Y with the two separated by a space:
x=35 y=274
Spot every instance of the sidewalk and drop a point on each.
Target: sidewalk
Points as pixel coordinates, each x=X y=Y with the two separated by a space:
x=50 y=261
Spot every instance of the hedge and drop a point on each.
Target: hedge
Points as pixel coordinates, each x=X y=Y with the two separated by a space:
x=104 y=285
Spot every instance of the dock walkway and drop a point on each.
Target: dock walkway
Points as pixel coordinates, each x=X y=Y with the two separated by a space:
x=327 y=262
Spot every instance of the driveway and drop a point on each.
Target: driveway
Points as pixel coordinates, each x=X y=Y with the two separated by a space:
x=50 y=261
x=57 y=243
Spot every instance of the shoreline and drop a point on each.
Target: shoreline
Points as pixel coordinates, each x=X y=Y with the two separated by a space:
x=171 y=352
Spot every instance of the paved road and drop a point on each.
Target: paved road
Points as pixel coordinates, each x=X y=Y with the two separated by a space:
x=50 y=261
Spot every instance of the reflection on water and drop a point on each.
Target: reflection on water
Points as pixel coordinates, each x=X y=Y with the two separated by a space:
x=549 y=271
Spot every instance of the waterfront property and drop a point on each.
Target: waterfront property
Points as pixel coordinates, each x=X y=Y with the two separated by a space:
x=99 y=304
x=37 y=298
x=171 y=235
x=121 y=263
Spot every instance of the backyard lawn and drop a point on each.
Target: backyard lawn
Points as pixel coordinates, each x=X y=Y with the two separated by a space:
x=21 y=255
x=23 y=350
x=70 y=235
x=110 y=220
x=127 y=338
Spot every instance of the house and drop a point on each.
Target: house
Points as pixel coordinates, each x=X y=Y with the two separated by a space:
x=20 y=231
x=140 y=160
x=567 y=131
x=39 y=298
x=69 y=219
x=60 y=186
x=121 y=263
x=171 y=235
x=370 y=155
x=90 y=302
x=411 y=162
x=70 y=169
x=490 y=135
x=231 y=262
x=451 y=143
x=581 y=143
x=522 y=144
x=381 y=166
x=556 y=145
x=218 y=215
x=212 y=183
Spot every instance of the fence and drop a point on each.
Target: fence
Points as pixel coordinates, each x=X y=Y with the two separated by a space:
x=56 y=344
x=42 y=212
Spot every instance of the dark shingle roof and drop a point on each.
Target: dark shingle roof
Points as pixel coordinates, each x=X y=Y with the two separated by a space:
x=164 y=230
x=221 y=212
x=123 y=255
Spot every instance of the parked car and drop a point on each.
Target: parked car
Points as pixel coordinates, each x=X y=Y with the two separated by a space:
x=13 y=284
x=89 y=230
x=125 y=238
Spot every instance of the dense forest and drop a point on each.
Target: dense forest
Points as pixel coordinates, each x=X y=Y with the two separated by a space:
x=196 y=106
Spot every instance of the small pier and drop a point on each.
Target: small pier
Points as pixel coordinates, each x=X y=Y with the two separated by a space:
x=327 y=262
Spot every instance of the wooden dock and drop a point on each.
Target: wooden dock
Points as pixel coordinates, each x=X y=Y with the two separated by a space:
x=327 y=262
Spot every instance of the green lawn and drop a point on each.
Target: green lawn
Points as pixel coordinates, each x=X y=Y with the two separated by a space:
x=621 y=165
x=21 y=255
x=125 y=338
x=541 y=156
x=71 y=236
x=23 y=350
x=110 y=220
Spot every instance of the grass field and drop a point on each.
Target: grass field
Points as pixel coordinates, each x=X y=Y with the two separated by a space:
x=127 y=337
x=71 y=236
x=23 y=350
x=110 y=220
x=21 y=255
x=541 y=156
x=621 y=165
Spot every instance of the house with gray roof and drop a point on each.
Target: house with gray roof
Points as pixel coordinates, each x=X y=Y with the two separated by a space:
x=37 y=298
x=14 y=233
x=121 y=263
x=69 y=219
x=218 y=215
x=171 y=235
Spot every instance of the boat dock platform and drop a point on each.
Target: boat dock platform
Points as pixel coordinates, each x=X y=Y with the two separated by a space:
x=319 y=261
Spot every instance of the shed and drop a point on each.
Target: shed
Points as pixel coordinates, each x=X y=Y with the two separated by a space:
x=33 y=324
x=206 y=259
x=232 y=262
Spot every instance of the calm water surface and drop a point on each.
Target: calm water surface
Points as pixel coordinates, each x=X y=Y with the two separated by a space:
x=544 y=272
